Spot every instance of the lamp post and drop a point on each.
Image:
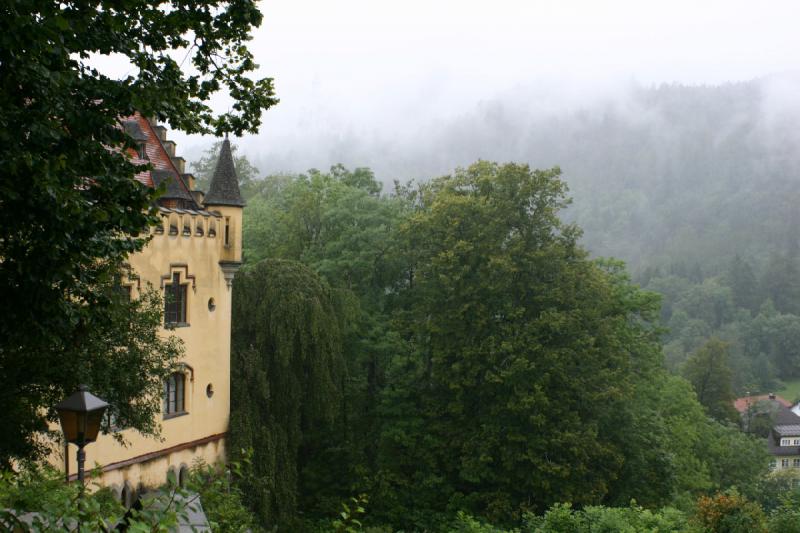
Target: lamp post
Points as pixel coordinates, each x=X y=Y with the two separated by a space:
x=81 y=415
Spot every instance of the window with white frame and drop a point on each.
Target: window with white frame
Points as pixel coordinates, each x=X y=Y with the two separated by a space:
x=784 y=463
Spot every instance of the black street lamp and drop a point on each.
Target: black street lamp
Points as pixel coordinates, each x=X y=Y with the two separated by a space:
x=81 y=415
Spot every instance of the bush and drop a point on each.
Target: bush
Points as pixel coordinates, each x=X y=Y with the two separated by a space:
x=37 y=499
x=561 y=518
x=218 y=487
x=729 y=512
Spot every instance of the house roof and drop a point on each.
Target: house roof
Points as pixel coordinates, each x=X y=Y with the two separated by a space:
x=787 y=424
x=224 y=187
x=786 y=417
x=175 y=188
x=788 y=430
x=133 y=129
x=162 y=165
x=202 y=212
x=741 y=404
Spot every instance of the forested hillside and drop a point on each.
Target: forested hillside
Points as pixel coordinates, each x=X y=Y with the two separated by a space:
x=695 y=188
x=452 y=345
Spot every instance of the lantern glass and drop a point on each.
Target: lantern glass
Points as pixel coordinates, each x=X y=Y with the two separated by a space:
x=69 y=424
x=92 y=422
x=81 y=416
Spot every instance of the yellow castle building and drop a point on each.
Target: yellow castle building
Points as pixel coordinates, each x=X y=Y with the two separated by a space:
x=192 y=258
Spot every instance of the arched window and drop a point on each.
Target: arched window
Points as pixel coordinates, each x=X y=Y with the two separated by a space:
x=187 y=227
x=212 y=228
x=198 y=231
x=127 y=495
x=183 y=476
x=173 y=225
x=175 y=395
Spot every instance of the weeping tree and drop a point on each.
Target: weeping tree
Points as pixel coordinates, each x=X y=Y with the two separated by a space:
x=287 y=373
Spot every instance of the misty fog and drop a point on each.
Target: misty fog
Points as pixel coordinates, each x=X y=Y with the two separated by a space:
x=644 y=163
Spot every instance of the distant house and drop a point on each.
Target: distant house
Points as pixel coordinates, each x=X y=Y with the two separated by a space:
x=784 y=440
x=758 y=412
x=780 y=421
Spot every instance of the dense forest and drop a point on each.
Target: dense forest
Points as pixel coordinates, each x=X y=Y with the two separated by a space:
x=454 y=346
x=699 y=196
x=693 y=187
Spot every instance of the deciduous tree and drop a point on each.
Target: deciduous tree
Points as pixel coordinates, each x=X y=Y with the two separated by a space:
x=525 y=352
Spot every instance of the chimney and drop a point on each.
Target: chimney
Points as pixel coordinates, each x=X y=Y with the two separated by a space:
x=189 y=179
x=169 y=146
x=161 y=131
x=180 y=164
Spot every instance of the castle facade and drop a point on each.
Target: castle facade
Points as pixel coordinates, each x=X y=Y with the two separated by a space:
x=191 y=258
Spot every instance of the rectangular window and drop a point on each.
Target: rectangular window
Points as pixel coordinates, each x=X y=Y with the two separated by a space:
x=786 y=442
x=784 y=463
x=175 y=394
x=796 y=442
x=795 y=463
x=773 y=464
x=121 y=289
x=175 y=301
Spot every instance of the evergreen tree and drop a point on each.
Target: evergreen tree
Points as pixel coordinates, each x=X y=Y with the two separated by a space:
x=287 y=373
x=781 y=283
x=743 y=283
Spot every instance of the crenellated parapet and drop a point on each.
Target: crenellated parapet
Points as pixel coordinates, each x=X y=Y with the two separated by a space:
x=189 y=223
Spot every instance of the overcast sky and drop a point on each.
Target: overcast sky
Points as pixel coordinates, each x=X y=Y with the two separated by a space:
x=352 y=69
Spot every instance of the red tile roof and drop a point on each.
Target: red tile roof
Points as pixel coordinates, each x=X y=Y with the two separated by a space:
x=741 y=403
x=157 y=156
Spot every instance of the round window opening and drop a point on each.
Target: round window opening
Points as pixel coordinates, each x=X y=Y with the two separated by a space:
x=210 y=390
x=211 y=304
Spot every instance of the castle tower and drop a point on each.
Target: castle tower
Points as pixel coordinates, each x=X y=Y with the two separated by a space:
x=225 y=198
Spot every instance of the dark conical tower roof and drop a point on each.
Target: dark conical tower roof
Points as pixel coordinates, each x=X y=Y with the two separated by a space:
x=224 y=188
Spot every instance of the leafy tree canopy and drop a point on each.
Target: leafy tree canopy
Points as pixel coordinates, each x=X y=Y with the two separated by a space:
x=486 y=348
x=709 y=373
x=524 y=352
x=70 y=210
